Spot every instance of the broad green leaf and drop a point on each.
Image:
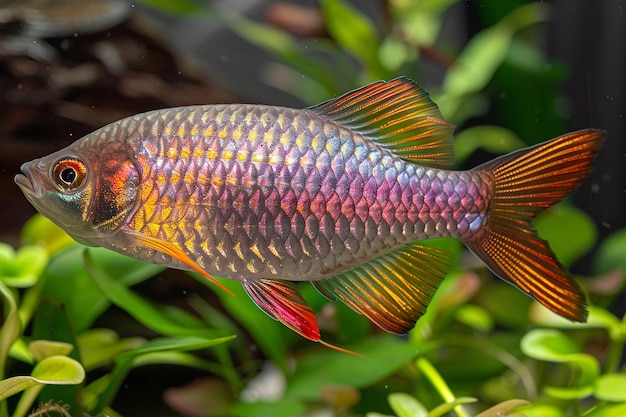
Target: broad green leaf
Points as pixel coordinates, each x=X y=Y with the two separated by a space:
x=611 y=253
x=143 y=311
x=540 y=410
x=382 y=357
x=482 y=56
x=41 y=231
x=67 y=281
x=99 y=347
x=355 y=33
x=54 y=370
x=611 y=387
x=405 y=405
x=476 y=317
x=23 y=268
x=494 y=139
x=548 y=345
x=51 y=322
x=607 y=410
x=41 y=349
x=393 y=53
x=570 y=231
x=554 y=346
x=570 y=393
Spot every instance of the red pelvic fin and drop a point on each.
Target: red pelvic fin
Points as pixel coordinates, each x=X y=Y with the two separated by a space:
x=282 y=301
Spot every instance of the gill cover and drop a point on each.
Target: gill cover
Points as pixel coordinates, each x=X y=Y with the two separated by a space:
x=103 y=192
x=115 y=190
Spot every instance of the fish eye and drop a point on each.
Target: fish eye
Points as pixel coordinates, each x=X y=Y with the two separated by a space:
x=69 y=174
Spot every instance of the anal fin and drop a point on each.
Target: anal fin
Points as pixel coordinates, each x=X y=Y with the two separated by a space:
x=392 y=290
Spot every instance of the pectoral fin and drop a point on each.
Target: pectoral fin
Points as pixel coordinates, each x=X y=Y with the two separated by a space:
x=175 y=252
x=392 y=290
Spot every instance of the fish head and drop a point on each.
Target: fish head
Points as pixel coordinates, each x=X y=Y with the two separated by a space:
x=89 y=191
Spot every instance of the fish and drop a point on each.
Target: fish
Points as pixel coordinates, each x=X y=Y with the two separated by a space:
x=345 y=194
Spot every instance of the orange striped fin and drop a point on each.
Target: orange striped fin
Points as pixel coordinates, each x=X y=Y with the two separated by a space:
x=398 y=115
x=525 y=183
x=392 y=290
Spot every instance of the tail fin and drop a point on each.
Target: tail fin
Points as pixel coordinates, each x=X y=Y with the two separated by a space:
x=525 y=183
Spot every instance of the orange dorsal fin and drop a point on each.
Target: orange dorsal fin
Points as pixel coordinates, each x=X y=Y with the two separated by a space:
x=399 y=116
x=175 y=252
x=525 y=183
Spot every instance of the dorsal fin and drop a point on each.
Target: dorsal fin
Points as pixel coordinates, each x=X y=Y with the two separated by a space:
x=392 y=290
x=398 y=115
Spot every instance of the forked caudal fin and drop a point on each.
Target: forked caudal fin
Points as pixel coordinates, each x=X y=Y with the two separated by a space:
x=525 y=183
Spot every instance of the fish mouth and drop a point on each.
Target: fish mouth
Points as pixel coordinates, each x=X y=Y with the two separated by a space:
x=25 y=183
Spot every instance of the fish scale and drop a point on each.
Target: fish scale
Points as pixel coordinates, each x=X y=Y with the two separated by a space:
x=341 y=194
x=310 y=226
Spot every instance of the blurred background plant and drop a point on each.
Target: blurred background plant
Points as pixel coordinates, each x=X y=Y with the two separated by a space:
x=129 y=338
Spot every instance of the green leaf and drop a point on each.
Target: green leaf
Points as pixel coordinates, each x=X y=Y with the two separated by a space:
x=570 y=231
x=607 y=410
x=12 y=326
x=548 y=345
x=143 y=311
x=355 y=33
x=611 y=253
x=128 y=360
x=67 y=281
x=476 y=317
x=495 y=139
x=270 y=335
x=286 y=50
x=99 y=347
x=285 y=407
x=506 y=408
x=53 y=370
x=611 y=387
x=540 y=410
x=554 y=346
x=178 y=344
x=448 y=407
x=41 y=231
x=382 y=357
x=22 y=269
x=482 y=56
x=405 y=405
x=41 y=349
x=178 y=7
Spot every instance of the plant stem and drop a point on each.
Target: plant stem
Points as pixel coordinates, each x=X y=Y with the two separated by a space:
x=440 y=385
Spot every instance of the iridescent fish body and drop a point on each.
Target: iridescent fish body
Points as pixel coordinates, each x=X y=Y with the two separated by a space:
x=340 y=194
